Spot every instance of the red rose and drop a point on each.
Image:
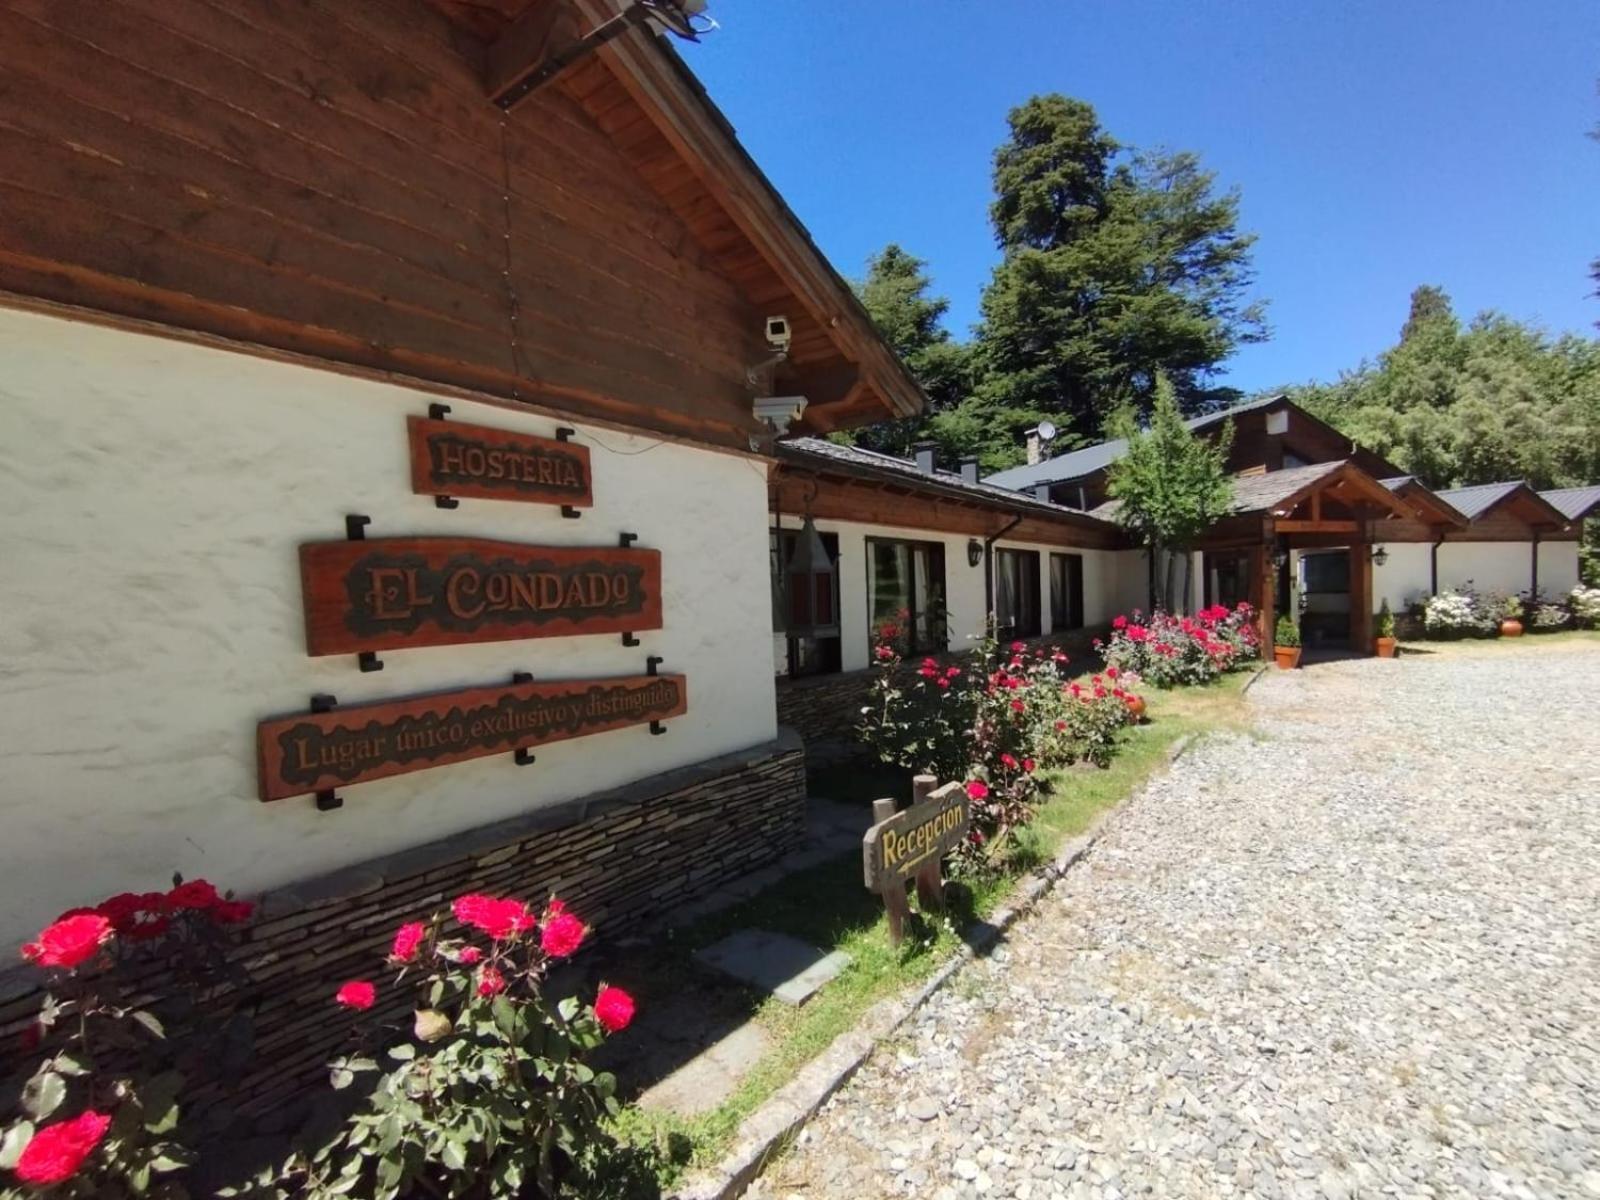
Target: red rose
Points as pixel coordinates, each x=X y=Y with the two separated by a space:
x=232 y=912
x=977 y=789
x=1112 y=672
x=561 y=936
x=1060 y=726
x=613 y=1008
x=469 y=955
x=196 y=894
x=357 y=994
x=1018 y=706
x=491 y=982
x=137 y=917
x=406 y=940
x=1009 y=761
x=1027 y=765
x=952 y=672
x=1120 y=623
x=1019 y=646
x=498 y=919
x=944 y=685
x=69 y=942
x=54 y=1154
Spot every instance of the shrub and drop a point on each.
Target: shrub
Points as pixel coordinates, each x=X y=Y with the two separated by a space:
x=100 y=1114
x=489 y=1096
x=1286 y=632
x=1585 y=602
x=1167 y=651
x=1385 y=620
x=993 y=722
x=1460 y=613
x=1547 y=618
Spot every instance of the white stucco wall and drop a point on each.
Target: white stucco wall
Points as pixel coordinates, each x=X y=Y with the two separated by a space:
x=1405 y=577
x=1558 y=568
x=1488 y=566
x=964 y=585
x=152 y=496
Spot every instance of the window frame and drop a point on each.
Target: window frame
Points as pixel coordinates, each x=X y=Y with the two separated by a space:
x=918 y=640
x=1071 y=599
x=1028 y=597
x=829 y=648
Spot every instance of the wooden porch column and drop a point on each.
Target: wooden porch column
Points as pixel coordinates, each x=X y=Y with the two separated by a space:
x=1361 y=599
x=1263 y=593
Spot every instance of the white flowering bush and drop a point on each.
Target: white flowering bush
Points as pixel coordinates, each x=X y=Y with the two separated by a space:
x=1585 y=605
x=1459 y=614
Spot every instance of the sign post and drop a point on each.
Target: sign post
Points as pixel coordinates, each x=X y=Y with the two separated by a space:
x=907 y=845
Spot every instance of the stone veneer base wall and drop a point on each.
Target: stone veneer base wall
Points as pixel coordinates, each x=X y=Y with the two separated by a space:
x=622 y=860
x=825 y=709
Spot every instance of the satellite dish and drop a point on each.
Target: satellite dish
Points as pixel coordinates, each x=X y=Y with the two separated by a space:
x=1047 y=430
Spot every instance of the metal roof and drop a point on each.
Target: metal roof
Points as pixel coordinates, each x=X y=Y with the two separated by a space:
x=816 y=453
x=1575 y=503
x=1075 y=464
x=1255 y=493
x=1476 y=500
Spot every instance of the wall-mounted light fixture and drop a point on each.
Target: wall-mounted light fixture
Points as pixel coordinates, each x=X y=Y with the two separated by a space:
x=974 y=552
x=1380 y=556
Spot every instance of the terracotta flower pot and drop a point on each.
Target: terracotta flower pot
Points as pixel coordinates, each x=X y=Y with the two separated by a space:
x=1287 y=657
x=1385 y=647
x=1135 y=708
x=1510 y=628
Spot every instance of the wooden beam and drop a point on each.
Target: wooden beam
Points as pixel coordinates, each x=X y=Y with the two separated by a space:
x=1361 y=599
x=528 y=46
x=823 y=387
x=1293 y=526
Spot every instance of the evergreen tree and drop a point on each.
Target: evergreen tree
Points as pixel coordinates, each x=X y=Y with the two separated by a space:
x=896 y=295
x=1173 y=486
x=1116 y=267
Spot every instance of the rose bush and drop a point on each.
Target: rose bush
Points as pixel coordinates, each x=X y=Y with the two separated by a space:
x=994 y=722
x=1585 y=605
x=1167 y=651
x=1461 y=613
x=487 y=1093
x=100 y=1115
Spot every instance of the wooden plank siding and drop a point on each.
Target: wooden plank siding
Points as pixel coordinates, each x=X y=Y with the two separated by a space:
x=325 y=177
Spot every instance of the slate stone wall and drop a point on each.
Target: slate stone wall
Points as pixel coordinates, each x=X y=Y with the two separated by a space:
x=623 y=861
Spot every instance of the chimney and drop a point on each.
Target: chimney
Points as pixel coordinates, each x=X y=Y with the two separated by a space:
x=969 y=470
x=1035 y=447
x=923 y=452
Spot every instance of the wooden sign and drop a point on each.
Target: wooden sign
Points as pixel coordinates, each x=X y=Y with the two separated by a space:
x=387 y=593
x=450 y=458
x=912 y=844
x=318 y=751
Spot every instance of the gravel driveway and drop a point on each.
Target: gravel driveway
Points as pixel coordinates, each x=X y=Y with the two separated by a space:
x=1354 y=954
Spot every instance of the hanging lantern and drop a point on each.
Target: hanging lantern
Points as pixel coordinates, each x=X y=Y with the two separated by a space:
x=808 y=586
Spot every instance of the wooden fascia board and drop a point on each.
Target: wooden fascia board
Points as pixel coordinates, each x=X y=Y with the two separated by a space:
x=1424 y=502
x=527 y=44
x=754 y=206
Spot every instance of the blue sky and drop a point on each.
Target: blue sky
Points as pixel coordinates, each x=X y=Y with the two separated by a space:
x=1377 y=144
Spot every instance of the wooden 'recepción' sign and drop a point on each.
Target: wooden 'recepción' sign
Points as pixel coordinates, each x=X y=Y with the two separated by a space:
x=448 y=457
x=318 y=751
x=387 y=593
x=911 y=844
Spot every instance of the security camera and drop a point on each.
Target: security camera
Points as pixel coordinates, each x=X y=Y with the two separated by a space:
x=779 y=334
x=778 y=411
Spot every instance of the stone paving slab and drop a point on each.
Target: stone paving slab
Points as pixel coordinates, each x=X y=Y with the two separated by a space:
x=788 y=968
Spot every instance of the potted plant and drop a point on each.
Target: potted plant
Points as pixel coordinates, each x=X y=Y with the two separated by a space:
x=1385 y=642
x=1511 y=617
x=1286 y=643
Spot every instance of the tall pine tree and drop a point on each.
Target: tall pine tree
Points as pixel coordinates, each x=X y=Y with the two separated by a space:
x=896 y=294
x=1116 y=267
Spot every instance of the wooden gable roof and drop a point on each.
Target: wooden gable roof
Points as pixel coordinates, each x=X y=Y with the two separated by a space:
x=329 y=181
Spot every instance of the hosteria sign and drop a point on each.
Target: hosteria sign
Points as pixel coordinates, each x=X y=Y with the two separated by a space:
x=497 y=464
x=387 y=593
x=314 y=752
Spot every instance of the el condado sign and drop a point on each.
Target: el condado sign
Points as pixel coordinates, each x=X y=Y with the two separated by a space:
x=388 y=593
x=450 y=458
x=313 y=752
x=907 y=843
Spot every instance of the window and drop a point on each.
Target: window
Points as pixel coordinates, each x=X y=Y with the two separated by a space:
x=905 y=587
x=1016 y=593
x=1325 y=573
x=1066 y=591
x=1227 y=579
x=816 y=652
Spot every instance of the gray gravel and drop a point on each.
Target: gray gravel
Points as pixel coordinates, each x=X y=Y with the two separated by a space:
x=1353 y=954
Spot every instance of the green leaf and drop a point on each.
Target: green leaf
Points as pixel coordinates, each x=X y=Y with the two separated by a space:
x=43 y=1094
x=11 y=1145
x=454 y=1157
x=340 y=1078
x=171 y=1159
x=150 y=1023
x=404 y=1052
x=67 y=1065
